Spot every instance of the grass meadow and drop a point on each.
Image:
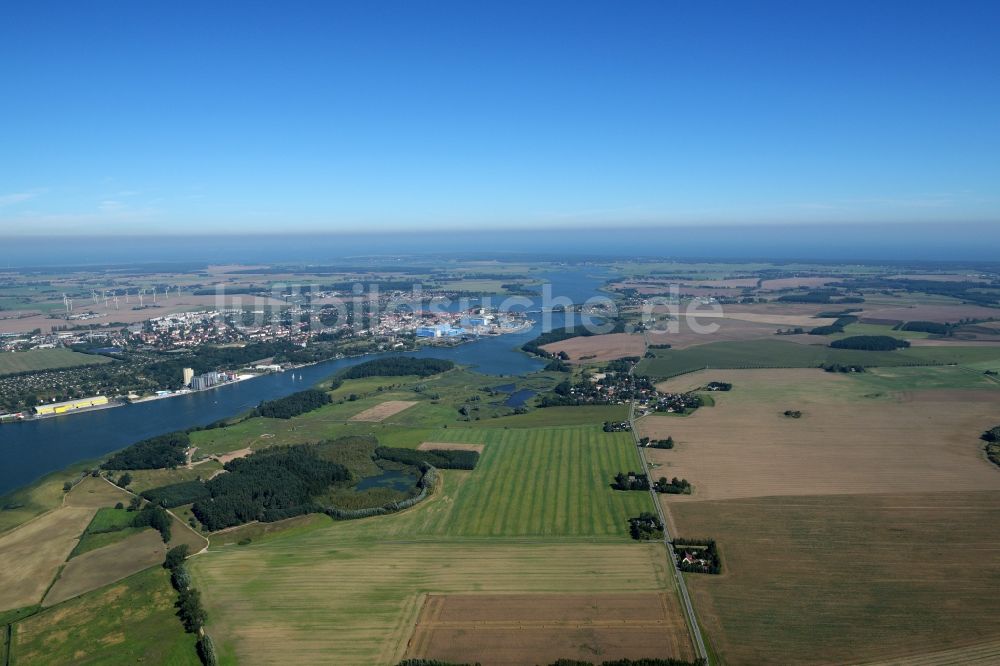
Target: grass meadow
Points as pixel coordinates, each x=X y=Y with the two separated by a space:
x=127 y=622
x=45 y=359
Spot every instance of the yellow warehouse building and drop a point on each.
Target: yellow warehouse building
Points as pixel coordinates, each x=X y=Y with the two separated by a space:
x=63 y=407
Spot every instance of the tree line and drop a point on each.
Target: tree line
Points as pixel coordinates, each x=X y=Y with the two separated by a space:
x=933 y=327
x=188 y=604
x=398 y=366
x=667 y=443
x=674 y=486
x=442 y=459
x=153 y=453
x=293 y=405
x=870 y=343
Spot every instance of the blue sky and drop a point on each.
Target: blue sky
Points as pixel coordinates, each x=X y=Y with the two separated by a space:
x=174 y=117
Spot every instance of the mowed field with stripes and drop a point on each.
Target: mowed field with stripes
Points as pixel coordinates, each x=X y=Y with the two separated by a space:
x=541 y=482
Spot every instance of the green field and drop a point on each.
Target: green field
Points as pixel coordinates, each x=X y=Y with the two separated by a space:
x=127 y=622
x=536 y=515
x=538 y=482
x=22 y=505
x=45 y=359
x=780 y=354
x=348 y=593
x=438 y=398
x=108 y=526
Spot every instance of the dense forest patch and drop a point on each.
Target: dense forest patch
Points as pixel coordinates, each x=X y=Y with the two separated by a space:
x=153 y=453
x=398 y=366
x=267 y=484
x=293 y=405
x=442 y=459
x=870 y=343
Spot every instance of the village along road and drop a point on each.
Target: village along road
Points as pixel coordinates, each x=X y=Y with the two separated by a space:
x=692 y=619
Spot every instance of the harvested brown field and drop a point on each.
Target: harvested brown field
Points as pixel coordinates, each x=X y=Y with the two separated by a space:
x=851 y=578
x=94 y=492
x=541 y=628
x=104 y=566
x=929 y=312
x=846 y=442
x=383 y=410
x=797 y=282
x=727 y=283
x=728 y=330
x=31 y=554
x=450 y=446
x=779 y=319
x=939 y=277
x=599 y=347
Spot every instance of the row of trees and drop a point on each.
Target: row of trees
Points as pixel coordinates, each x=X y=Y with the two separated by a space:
x=667 y=443
x=843 y=367
x=398 y=366
x=293 y=405
x=155 y=517
x=674 y=486
x=188 y=604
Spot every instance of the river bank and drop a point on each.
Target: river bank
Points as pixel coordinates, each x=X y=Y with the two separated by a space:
x=38 y=447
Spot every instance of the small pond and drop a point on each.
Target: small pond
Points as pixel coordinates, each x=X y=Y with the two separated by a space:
x=518 y=398
x=396 y=479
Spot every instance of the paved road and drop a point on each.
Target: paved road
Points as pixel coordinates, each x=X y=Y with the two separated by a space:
x=699 y=644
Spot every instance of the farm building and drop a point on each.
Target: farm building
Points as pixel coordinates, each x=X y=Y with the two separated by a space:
x=70 y=405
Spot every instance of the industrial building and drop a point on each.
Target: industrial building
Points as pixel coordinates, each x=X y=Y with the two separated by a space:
x=70 y=405
x=439 y=331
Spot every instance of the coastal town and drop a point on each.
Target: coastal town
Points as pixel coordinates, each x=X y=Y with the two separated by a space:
x=260 y=341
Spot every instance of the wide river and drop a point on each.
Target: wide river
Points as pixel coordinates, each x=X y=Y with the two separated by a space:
x=32 y=449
